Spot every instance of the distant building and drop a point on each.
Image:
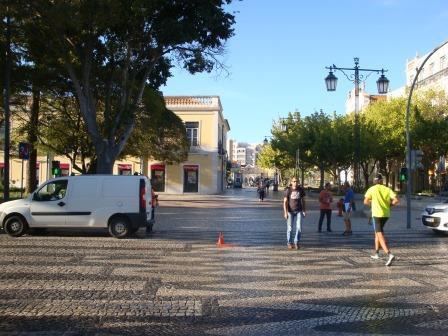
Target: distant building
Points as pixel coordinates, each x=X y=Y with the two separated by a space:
x=242 y=153
x=364 y=99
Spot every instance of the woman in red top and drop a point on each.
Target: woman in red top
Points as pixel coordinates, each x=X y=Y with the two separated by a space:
x=325 y=199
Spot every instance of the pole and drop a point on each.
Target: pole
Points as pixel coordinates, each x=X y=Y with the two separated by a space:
x=6 y=96
x=357 y=137
x=21 y=182
x=297 y=163
x=408 y=139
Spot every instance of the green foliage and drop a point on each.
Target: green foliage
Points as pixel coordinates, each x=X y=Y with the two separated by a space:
x=159 y=133
x=112 y=50
x=430 y=125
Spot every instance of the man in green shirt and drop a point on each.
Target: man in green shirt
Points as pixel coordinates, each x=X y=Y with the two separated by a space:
x=381 y=198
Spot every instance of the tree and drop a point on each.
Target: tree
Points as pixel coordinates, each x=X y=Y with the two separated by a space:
x=159 y=134
x=341 y=143
x=371 y=150
x=112 y=50
x=387 y=117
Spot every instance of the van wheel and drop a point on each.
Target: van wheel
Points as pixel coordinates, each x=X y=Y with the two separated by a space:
x=15 y=226
x=119 y=227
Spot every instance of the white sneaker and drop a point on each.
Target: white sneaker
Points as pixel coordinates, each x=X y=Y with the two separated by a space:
x=376 y=256
x=390 y=259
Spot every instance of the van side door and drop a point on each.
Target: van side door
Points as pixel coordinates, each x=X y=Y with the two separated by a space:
x=83 y=203
x=49 y=205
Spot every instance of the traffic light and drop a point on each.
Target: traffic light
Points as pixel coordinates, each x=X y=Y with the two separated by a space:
x=56 y=168
x=403 y=174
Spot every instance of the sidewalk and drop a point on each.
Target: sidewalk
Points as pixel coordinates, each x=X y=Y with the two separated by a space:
x=417 y=202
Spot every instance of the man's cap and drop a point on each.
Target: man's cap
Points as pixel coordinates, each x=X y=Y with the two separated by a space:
x=379 y=177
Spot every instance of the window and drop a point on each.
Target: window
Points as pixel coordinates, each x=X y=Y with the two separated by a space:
x=442 y=62
x=192 y=132
x=431 y=69
x=52 y=191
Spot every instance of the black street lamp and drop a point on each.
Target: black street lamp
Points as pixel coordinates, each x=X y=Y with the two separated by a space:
x=383 y=86
x=266 y=141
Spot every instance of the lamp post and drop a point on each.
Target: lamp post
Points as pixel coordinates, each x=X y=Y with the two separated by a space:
x=297 y=166
x=356 y=77
x=408 y=139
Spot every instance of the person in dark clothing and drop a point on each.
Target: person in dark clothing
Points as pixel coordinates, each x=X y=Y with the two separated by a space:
x=261 y=190
x=293 y=211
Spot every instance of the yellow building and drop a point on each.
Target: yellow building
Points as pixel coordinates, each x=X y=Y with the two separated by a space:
x=203 y=172
x=205 y=169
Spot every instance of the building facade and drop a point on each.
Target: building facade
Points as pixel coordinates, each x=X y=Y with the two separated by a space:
x=365 y=99
x=242 y=153
x=434 y=73
x=202 y=173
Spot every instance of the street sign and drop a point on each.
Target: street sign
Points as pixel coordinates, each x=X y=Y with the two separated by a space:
x=24 y=150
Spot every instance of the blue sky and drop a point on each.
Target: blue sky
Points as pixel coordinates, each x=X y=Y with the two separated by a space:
x=278 y=55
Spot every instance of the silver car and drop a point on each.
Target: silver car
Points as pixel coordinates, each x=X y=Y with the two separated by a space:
x=435 y=217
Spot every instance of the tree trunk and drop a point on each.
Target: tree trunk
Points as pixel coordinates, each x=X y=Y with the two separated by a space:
x=366 y=179
x=322 y=177
x=393 y=178
x=31 y=183
x=106 y=156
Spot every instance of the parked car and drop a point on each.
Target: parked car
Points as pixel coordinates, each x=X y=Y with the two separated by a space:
x=120 y=203
x=435 y=217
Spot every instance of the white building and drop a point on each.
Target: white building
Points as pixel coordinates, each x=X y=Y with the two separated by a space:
x=434 y=73
x=364 y=99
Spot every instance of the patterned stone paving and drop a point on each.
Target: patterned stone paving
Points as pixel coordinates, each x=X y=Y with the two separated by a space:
x=177 y=281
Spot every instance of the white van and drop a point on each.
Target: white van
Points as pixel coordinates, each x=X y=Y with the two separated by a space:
x=120 y=203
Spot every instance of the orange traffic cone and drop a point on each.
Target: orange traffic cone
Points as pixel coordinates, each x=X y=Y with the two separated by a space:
x=220 y=241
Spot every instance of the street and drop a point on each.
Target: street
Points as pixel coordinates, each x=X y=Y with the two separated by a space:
x=177 y=281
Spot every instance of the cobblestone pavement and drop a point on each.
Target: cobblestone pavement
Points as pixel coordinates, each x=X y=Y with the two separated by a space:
x=176 y=281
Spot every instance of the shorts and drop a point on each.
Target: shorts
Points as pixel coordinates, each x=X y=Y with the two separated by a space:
x=378 y=223
x=347 y=212
x=347 y=215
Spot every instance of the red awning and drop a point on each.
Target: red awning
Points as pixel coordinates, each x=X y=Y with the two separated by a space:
x=158 y=167
x=191 y=167
x=124 y=166
x=64 y=166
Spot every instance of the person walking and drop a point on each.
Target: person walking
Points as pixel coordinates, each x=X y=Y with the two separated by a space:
x=347 y=208
x=293 y=211
x=154 y=204
x=381 y=198
x=325 y=200
x=261 y=190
